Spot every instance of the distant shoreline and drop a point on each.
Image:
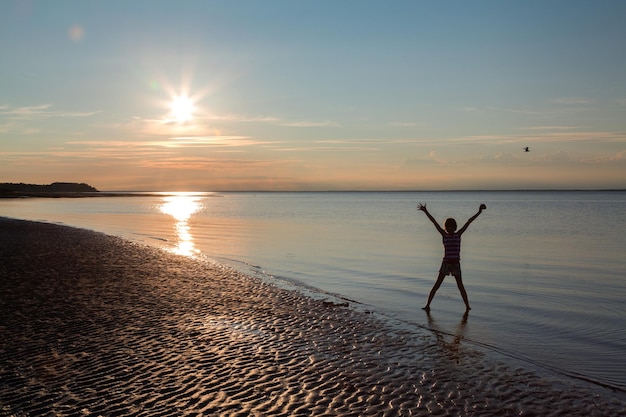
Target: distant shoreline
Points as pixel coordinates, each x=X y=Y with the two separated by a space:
x=74 y=194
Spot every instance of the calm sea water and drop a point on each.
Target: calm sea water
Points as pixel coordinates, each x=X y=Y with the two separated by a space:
x=544 y=270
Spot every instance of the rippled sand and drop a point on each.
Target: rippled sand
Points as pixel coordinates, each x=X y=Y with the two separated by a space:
x=94 y=325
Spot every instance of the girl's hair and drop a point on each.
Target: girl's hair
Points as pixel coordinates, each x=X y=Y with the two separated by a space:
x=450 y=225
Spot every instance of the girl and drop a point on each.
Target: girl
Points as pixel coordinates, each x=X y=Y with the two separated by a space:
x=451 y=264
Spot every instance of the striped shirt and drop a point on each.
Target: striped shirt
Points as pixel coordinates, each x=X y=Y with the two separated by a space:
x=452 y=246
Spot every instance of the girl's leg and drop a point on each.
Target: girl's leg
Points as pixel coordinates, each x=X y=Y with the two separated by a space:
x=459 y=283
x=440 y=278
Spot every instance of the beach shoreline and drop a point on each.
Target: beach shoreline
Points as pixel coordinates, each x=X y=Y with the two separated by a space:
x=93 y=324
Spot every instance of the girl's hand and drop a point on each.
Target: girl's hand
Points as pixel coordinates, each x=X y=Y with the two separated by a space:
x=483 y=207
x=421 y=207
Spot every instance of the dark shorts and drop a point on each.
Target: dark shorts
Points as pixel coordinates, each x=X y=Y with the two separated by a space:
x=450 y=268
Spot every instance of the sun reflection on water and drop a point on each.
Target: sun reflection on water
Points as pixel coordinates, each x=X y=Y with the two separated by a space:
x=182 y=207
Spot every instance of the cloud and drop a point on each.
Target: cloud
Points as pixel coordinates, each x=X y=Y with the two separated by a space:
x=432 y=158
x=559 y=157
x=207 y=125
x=510 y=159
x=378 y=141
x=572 y=101
x=551 y=128
x=6 y=127
x=63 y=157
x=27 y=111
x=614 y=137
x=162 y=128
x=39 y=112
x=554 y=134
x=140 y=148
x=203 y=163
x=501 y=158
x=225 y=141
x=404 y=124
x=617 y=158
x=16 y=120
x=328 y=123
x=238 y=118
x=327 y=149
x=192 y=133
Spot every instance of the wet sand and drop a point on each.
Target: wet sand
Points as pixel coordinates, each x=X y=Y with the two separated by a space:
x=95 y=325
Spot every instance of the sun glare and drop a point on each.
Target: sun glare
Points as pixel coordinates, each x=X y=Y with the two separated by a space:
x=182 y=109
x=182 y=207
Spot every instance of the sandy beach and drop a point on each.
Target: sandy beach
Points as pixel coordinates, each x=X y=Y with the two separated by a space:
x=92 y=324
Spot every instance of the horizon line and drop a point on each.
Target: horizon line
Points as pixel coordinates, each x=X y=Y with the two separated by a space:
x=372 y=191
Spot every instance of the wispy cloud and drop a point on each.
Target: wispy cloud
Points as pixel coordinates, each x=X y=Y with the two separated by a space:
x=101 y=155
x=568 y=136
x=404 y=124
x=328 y=123
x=619 y=158
x=6 y=127
x=557 y=158
x=551 y=128
x=176 y=142
x=238 y=118
x=377 y=141
x=194 y=163
x=328 y=149
x=162 y=128
x=274 y=120
x=39 y=112
x=431 y=158
x=560 y=158
x=210 y=126
x=551 y=135
x=226 y=141
x=572 y=101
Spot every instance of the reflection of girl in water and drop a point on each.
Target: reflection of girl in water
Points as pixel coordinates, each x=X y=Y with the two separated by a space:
x=452 y=349
x=451 y=264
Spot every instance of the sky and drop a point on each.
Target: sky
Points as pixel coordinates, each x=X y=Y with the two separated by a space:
x=314 y=95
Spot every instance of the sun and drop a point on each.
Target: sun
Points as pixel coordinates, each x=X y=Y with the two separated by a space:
x=182 y=109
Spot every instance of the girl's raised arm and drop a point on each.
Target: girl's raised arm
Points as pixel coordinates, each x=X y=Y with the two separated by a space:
x=471 y=219
x=422 y=207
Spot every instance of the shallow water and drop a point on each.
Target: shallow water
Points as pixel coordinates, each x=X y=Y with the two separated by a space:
x=543 y=270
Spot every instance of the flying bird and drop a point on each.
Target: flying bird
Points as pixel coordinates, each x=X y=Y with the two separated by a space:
x=526 y=149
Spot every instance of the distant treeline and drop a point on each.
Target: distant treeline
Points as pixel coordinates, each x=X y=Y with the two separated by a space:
x=55 y=187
